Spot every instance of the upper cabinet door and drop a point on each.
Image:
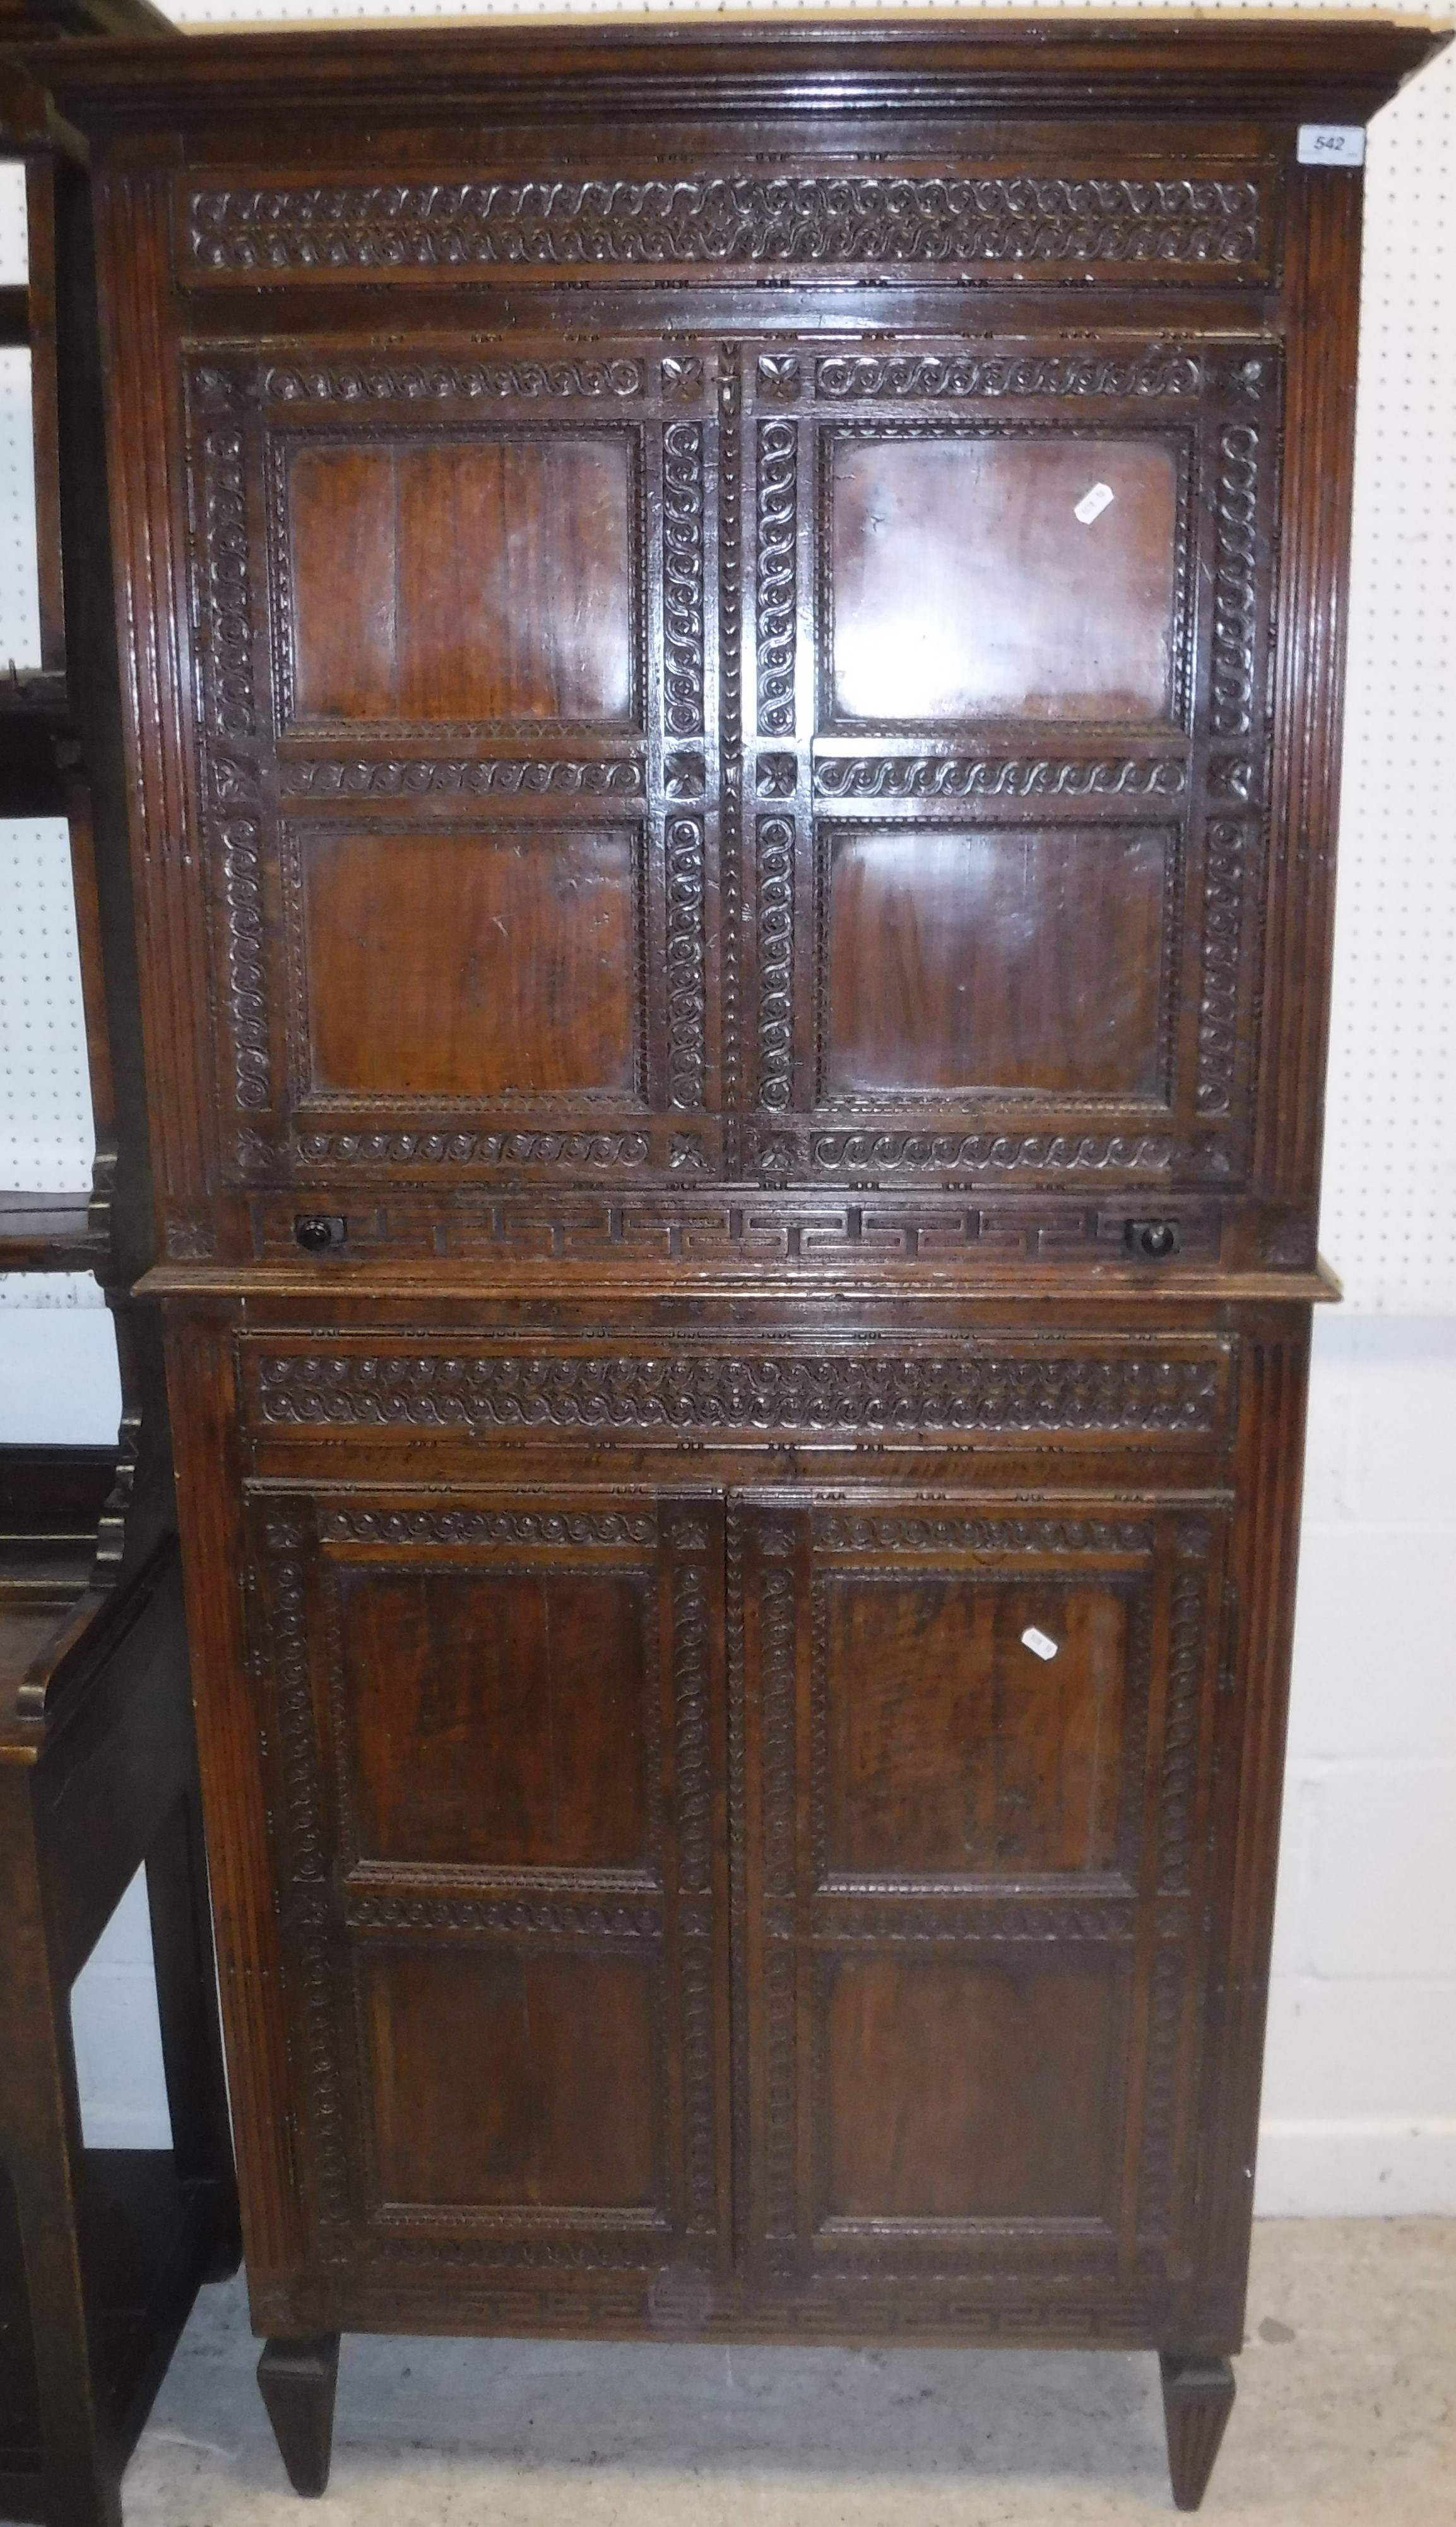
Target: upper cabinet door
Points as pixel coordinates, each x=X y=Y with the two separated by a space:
x=450 y=615
x=1008 y=698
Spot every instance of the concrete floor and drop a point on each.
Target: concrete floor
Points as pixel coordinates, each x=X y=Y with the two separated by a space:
x=1346 y=2417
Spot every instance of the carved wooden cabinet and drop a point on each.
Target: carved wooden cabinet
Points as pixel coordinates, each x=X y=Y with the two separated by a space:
x=734 y=643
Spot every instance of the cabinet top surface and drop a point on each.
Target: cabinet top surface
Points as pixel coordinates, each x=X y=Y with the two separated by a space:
x=1337 y=66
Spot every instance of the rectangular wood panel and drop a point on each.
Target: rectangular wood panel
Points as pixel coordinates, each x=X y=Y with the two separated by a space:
x=1011 y=1759
x=968 y=581
x=496 y=1719
x=969 y=2090
x=1009 y=959
x=469 y=964
x=485 y=580
x=514 y=2079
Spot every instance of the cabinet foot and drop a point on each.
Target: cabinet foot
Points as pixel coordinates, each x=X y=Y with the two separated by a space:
x=297 y=2378
x=1197 y=2400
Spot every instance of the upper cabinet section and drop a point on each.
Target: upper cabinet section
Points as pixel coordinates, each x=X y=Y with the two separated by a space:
x=735 y=640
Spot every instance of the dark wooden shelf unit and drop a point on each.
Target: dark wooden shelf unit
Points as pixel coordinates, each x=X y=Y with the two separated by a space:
x=101 y=2250
x=734 y=640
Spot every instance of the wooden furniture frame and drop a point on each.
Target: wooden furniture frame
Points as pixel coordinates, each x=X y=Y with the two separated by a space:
x=101 y=2250
x=650 y=1392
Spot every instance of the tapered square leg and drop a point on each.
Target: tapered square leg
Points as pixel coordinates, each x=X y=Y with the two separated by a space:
x=1197 y=2400
x=297 y=2378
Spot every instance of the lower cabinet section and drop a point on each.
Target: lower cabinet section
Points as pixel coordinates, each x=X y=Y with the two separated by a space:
x=765 y=1908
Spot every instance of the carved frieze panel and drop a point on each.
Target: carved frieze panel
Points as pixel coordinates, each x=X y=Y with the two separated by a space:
x=990 y=224
x=1158 y=1391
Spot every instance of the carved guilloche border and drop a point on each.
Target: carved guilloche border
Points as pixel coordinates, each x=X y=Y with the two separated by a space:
x=990 y=226
x=1135 y=1391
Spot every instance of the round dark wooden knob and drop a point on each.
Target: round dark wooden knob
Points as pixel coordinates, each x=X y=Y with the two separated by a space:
x=1158 y=1237
x=315 y=1236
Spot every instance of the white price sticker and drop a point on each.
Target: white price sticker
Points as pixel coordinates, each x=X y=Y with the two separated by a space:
x=1039 y=1642
x=1331 y=144
x=1093 y=502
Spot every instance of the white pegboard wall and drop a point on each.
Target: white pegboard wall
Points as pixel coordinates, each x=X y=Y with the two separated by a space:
x=1389 y=1221
x=12 y=226
x=20 y=613
x=20 y=604
x=1389 y=1211
x=46 y=1134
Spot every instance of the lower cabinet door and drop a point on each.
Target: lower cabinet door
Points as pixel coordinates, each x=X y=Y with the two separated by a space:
x=976 y=1744
x=501 y=1856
